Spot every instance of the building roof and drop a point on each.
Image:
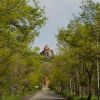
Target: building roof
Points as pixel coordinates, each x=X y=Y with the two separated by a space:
x=46 y=47
x=47 y=51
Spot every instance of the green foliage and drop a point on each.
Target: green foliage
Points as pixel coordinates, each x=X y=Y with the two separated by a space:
x=12 y=98
x=75 y=66
x=19 y=25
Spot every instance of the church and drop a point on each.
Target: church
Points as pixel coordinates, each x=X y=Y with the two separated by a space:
x=47 y=52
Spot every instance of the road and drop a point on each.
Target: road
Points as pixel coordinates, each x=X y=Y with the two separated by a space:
x=46 y=95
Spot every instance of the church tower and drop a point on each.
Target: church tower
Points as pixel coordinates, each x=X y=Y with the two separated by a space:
x=47 y=52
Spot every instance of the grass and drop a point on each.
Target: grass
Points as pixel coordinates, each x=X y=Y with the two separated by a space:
x=71 y=97
x=17 y=97
x=80 y=98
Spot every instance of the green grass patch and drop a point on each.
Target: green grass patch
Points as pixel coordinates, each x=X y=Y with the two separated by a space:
x=17 y=97
x=84 y=98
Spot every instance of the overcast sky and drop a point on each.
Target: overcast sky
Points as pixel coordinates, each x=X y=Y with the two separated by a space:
x=59 y=13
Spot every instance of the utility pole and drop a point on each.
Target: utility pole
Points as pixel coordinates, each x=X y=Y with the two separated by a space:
x=97 y=30
x=97 y=68
x=97 y=55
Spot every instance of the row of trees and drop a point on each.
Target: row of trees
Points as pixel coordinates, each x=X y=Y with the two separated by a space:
x=19 y=64
x=74 y=69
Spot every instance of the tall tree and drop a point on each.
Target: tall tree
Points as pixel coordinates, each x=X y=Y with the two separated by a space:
x=80 y=36
x=19 y=25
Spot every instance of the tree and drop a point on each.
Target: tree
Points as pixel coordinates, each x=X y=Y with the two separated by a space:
x=19 y=25
x=80 y=37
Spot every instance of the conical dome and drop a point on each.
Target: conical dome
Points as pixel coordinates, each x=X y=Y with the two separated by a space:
x=47 y=52
x=46 y=47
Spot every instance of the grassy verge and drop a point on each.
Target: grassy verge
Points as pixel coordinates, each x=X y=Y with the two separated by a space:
x=80 y=98
x=84 y=98
x=17 y=97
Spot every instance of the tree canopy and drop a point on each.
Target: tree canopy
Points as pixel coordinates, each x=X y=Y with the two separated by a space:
x=78 y=52
x=19 y=25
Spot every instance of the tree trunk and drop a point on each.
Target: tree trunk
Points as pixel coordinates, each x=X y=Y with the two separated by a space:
x=89 y=88
x=58 y=87
x=70 y=86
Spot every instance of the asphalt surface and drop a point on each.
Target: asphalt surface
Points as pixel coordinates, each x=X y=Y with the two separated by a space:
x=44 y=95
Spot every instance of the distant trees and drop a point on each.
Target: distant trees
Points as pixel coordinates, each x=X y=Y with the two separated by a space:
x=19 y=25
x=75 y=65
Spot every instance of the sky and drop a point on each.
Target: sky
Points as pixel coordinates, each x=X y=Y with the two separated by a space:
x=59 y=13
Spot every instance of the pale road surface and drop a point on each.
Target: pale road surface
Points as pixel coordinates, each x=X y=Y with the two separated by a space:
x=46 y=95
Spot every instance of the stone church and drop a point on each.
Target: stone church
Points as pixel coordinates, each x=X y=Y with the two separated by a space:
x=47 y=52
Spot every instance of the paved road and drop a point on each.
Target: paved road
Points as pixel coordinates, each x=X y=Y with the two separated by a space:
x=46 y=95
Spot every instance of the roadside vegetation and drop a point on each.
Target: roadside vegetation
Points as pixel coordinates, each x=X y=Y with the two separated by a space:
x=72 y=71
x=74 y=68
x=19 y=64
